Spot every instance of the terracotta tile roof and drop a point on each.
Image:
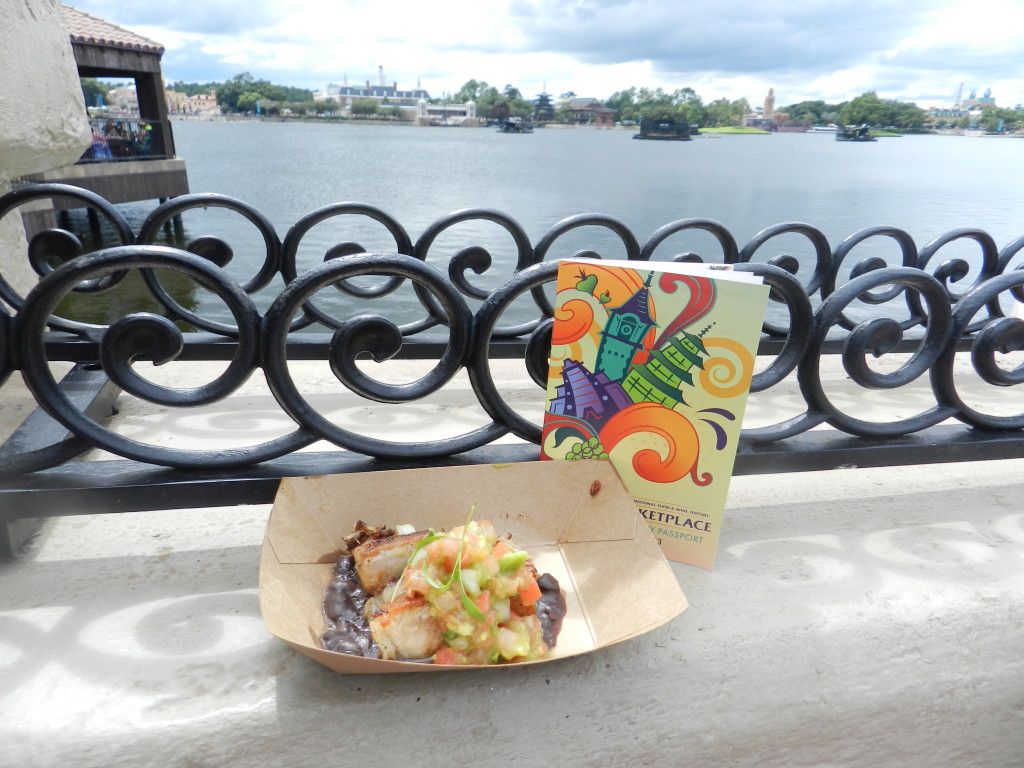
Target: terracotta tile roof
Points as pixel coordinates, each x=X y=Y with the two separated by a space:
x=87 y=29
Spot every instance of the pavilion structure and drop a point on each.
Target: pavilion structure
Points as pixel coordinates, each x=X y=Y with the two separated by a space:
x=132 y=157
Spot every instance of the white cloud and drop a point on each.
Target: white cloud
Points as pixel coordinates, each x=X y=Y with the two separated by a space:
x=915 y=50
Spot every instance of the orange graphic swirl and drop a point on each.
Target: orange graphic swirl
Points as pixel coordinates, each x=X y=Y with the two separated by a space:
x=683 y=444
x=726 y=377
x=572 y=321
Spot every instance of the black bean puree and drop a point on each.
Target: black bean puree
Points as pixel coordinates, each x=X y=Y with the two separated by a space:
x=349 y=633
x=550 y=607
x=344 y=599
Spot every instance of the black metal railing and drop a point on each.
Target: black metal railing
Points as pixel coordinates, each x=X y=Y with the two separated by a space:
x=116 y=139
x=925 y=314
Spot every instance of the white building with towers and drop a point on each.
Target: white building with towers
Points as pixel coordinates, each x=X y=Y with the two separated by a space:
x=381 y=92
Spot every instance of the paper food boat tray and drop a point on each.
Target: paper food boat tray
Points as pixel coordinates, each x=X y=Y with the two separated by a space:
x=575 y=518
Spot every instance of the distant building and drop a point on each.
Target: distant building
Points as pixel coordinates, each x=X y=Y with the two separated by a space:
x=564 y=99
x=346 y=94
x=543 y=108
x=972 y=107
x=589 y=110
x=425 y=113
x=177 y=102
x=769 y=104
x=985 y=102
x=203 y=104
x=123 y=98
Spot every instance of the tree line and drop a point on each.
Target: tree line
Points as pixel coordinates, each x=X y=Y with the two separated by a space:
x=239 y=94
x=866 y=109
x=635 y=104
x=244 y=93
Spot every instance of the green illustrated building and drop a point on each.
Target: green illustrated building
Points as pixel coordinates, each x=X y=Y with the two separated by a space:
x=666 y=370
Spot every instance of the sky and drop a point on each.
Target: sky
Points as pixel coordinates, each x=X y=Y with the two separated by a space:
x=832 y=50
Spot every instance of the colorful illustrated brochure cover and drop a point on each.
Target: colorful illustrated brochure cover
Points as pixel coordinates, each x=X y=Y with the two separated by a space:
x=651 y=365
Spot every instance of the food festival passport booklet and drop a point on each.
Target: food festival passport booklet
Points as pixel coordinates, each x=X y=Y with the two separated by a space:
x=650 y=368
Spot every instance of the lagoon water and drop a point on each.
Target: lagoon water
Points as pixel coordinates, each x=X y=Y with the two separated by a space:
x=926 y=185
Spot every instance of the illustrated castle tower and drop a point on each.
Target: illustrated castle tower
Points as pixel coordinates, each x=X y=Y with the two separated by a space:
x=624 y=332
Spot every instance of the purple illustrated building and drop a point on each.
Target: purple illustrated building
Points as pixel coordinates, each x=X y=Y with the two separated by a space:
x=592 y=397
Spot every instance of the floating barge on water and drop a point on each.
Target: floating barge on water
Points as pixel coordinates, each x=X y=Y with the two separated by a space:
x=515 y=125
x=665 y=130
x=854 y=133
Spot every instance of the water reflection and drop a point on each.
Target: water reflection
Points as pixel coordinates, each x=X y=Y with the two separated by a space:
x=131 y=294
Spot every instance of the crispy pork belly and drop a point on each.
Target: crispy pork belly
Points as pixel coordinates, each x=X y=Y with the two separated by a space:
x=375 y=602
x=379 y=561
x=363 y=532
x=404 y=629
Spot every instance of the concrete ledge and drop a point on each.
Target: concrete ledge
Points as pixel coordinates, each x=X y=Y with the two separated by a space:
x=857 y=617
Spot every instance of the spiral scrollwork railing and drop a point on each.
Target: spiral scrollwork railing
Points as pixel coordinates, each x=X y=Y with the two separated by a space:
x=930 y=321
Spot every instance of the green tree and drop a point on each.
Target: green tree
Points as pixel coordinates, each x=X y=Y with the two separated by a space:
x=94 y=91
x=694 y=112
x=520 y=108
x=655 y=105
x=485 y=100
x=365 y=107
x=634 y=104
x=247 y=102
x=244 y=84
x=684 y=96
x=326 y=105
x=229 y=92
x=193 y=89
x=472 y=90
x=624 y=104
x=870 y=110
x=723 y=112
x=811 y=112
x=866 y=109
x=999 y=119
x=905 y=115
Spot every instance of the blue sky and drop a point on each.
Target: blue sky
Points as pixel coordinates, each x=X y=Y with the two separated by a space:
x=805 y=49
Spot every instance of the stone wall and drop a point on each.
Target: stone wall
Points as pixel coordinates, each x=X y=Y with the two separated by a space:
x=43 y=121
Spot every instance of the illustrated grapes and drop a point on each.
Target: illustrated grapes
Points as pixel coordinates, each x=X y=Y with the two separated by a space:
x=591 y=449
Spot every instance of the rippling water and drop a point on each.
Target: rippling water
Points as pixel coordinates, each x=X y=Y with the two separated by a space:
x=926 y=185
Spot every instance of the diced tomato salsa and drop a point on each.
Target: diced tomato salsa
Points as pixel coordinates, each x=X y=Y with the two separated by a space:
x=483 y=590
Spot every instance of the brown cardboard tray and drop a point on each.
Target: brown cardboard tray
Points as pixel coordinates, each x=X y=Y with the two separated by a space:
x=574 y=517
